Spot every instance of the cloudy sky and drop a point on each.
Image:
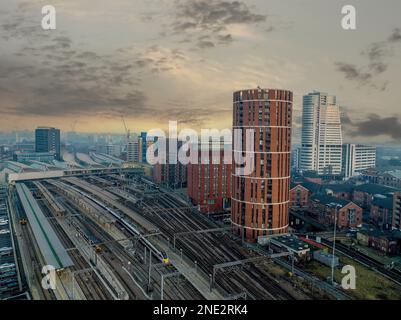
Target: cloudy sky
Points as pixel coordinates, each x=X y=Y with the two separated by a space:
x=159 y=60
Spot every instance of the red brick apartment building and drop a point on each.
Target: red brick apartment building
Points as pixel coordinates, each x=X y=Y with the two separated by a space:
x=171 y=175
x=299 y=197
x=388 y=242
x=209 y=184
x=323 y=209
x=363 y=194
x=260 y=201
x=381 y=211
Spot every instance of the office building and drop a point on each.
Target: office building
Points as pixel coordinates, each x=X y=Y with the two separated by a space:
x=48 y=140
x=357 y=158
x=321 y=134
x=113 y=150
x=260 y=200
x=133 y=149
x=143 y=147
x=295 y=156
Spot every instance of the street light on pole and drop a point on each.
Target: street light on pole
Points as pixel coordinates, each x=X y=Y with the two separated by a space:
x=334 y=242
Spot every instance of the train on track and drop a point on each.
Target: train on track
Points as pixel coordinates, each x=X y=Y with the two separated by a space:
x=129 y=227
x=165 y=258
x=150 y=184
x=92 y=241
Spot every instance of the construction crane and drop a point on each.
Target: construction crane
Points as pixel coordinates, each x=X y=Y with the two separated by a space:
x=127 y=131
x=73 y=125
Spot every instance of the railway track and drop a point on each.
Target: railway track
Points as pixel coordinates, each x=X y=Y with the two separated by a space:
x=116 y=256
x=210 y=249
x=393 y=275
x=88 y=281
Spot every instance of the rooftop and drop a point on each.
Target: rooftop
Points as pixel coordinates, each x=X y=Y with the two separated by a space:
x=339 y=187
x=50 y=245
x=395 y=173
x=393 y=234
x=386 y=203
x=291 y=242
x=312 y=187
x=329 y=200
x=373 y=188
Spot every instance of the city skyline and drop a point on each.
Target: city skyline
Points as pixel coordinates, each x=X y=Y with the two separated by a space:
x=211 y=152
x=187 y=64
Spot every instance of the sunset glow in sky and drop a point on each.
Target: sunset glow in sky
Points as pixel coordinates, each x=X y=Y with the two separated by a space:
x=159 y=60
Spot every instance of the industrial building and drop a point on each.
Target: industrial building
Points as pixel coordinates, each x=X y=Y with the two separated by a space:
x=260 y=200
x=33 y=156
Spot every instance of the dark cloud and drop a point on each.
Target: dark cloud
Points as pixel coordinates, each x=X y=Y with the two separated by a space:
x=193 y=118
x=345 y=119
x=159 y=59
x=374 y=126
x=211 y=18
x=225 y=39
x=214 y=15
x=376 y=51
x=395 y=36
x=69 y=89
x=351 y=72
x=205 y=44
x=377 y=54
x=56 y=77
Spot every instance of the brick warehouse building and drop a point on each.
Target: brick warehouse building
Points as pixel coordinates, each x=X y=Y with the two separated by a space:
x=323 y=210
x=260 y=201
x=299 y=197
x=209 y=183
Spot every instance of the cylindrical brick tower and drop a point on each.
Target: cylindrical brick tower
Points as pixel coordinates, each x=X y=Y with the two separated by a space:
x=260 y=200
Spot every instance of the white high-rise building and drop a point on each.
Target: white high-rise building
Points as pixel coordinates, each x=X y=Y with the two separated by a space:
x=321 y=149
x=357 y=158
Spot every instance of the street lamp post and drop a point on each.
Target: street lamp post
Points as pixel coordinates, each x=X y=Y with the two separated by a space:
x=334 y=243
x=150 y=268
x=162 y=288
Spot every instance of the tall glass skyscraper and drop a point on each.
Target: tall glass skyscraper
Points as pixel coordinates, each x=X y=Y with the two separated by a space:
x=144 y=146
x=48 y=140
x=321 y=134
